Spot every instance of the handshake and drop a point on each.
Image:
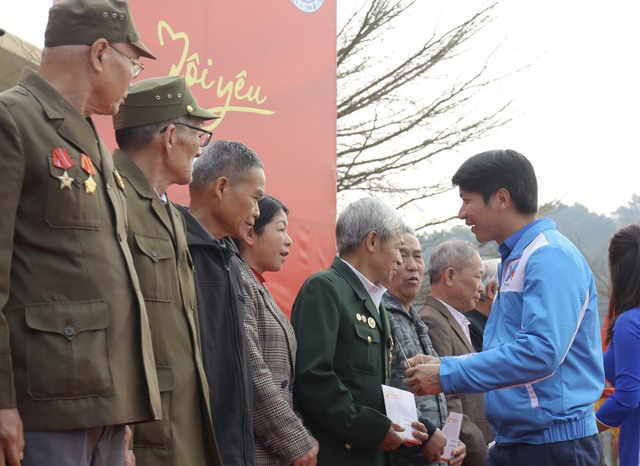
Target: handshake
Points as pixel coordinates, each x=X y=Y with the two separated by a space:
x=423 y=375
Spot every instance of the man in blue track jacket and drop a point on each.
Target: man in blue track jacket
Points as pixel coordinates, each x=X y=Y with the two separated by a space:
x=541 y=367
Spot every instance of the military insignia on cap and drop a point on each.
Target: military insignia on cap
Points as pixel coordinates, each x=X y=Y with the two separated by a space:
x=189 y=108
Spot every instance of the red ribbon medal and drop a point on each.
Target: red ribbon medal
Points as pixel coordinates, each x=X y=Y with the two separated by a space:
x=62 y=160
x=87 y=166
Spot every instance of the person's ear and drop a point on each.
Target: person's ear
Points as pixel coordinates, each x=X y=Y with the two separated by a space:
x=370 y=241
x=503 y=198
x=220 y=185
x=449 y=274
x=96 y=53
x=250 y=237
x=492 y=289
x=169 y=138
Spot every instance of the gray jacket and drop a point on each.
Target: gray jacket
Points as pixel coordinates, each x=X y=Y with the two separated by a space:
x=410 y=334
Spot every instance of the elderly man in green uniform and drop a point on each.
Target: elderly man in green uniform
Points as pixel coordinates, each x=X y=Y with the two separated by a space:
x=76 y=361
x=158 y=130
x=344 y=341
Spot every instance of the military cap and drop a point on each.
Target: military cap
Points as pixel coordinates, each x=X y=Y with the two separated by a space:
x=82 y=22
x=158 y=99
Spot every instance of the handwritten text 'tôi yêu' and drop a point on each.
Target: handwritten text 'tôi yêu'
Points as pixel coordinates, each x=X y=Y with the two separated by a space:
x=233 y=92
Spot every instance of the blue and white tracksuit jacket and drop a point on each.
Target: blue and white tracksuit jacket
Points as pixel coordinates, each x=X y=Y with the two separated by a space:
x=541 y=363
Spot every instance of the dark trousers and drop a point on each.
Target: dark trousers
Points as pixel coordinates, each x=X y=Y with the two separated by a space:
x=586 y=451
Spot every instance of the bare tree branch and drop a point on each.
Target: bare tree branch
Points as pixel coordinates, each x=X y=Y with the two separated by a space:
x=396 y=113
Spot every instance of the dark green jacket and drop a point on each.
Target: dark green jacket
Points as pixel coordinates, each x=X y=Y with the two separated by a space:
x=343 y=355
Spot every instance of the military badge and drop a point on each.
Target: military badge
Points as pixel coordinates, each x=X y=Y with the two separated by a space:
x=87 y=166
x=61 y=159
x=116 y=173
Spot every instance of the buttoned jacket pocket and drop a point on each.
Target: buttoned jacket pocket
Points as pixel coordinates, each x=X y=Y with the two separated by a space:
x=364 y=355
x=154 y=260
x=158 y=433
x=67 y=350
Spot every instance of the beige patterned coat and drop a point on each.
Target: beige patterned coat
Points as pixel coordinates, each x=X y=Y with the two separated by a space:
x=279 y=434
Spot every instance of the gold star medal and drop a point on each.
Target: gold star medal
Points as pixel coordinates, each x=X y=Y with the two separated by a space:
x=87 y=166
x=61 y=159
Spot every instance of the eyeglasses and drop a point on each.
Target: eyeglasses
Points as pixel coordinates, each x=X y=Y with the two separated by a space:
x=203 y=134
x=136 y=66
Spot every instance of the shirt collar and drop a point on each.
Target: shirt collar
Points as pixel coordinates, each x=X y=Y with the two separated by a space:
x=510 y=243
x=460 y=318
x=375 y=291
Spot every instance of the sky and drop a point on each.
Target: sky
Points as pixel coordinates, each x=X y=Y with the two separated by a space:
x=575 y=109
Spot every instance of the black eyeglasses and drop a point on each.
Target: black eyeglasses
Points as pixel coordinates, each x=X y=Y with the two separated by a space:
x=136 y=66
x=203 y=134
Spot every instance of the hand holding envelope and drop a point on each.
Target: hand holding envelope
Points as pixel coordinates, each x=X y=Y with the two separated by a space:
x=400 y=406
x=423 y=375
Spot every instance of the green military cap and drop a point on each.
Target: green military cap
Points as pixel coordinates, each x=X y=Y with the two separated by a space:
x=158 y=99
x=82 y=22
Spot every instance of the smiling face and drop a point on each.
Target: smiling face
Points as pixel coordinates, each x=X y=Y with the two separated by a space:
x=407 y=281
x=479 y=216
x=270 y=247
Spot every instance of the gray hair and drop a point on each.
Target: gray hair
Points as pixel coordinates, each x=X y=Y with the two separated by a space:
x=454 y=253
x=489 y=275
x=63 y=53
x=140 y=136
x=407 y=230
x=220 y=158
x=361 y=218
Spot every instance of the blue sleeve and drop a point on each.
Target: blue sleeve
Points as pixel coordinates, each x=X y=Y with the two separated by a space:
x=626 y=397
x=538 y=330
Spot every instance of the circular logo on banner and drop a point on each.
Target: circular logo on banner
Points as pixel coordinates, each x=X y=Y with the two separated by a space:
x=308 y=6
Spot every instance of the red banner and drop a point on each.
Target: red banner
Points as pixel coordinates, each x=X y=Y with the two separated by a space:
x=269 y=69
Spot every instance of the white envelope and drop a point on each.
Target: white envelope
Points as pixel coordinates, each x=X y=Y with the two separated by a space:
x=401 y=409
x=452 y=430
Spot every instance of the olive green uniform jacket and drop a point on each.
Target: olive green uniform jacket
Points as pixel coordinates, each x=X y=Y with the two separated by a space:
x=157 y=238
x=75 y=343
x=344 y=346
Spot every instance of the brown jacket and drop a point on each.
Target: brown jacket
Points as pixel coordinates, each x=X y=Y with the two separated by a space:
x=80 y=350
x=449 y=339
x=158 y=242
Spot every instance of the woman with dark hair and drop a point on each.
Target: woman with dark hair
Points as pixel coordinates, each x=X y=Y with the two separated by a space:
x=280 y=438
x=622 y=358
